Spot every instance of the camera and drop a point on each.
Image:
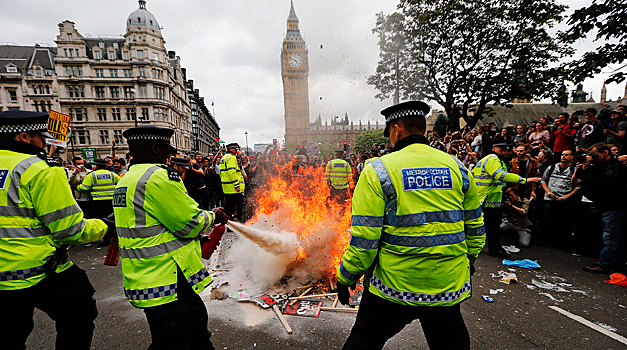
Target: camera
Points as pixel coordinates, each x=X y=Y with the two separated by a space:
x=582 y=158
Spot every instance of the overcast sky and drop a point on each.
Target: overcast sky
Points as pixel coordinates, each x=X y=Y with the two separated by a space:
x=231 y=50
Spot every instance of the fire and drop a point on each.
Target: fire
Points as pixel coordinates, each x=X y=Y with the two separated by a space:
x=303 y=206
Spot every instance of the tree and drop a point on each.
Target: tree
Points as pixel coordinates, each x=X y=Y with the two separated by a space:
x=326 y=149
x=367 y=138
x=388 y=77
x=468 y=54
x=609 y=18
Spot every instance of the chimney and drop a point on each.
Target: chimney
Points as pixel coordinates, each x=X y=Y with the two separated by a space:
x=171 y=55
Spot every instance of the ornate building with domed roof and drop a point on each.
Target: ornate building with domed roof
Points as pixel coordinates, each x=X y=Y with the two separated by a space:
x=109 y=84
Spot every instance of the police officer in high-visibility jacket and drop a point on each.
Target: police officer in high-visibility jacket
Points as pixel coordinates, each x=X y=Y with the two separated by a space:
x=39 y=218
x=158 y=226
x=100 y=185
x=232 y=181
x=491 y=175
x=417 y=226
x=338 y=174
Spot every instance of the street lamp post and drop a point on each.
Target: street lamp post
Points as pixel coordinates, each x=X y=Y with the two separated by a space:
x=134 y=106
x=246 y=133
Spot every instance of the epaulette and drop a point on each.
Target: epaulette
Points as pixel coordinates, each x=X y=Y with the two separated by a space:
x=49 y=161
x=172 y=173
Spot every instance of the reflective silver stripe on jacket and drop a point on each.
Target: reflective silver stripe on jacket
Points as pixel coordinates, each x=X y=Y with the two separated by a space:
x=13 y=192
x=23 y=232
x=150 y=252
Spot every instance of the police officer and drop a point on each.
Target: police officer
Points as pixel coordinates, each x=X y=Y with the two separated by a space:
x=100 y=185
x=232 y=181
x=39 y=217
x=158 y=226
x=417 y=225
x=491 y=175
x=338 y=173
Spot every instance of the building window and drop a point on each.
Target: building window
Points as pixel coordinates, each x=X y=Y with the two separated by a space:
x=112 y=55
x=97 y=55
x=36 y=104
x=143 y=92
x=41 y=89
x=113 y=73
x=142 y=71
x=35 y=89
x=48 y=89
x=115 y=114
x=130 y=114
x=159 y=92
x=101 y=45
x=71 y=53
x=78 y=114
x=102 y=114
x=65 y=51
x=75 y=91
x=125 y=56
x=99 y=72
x=140 y=54
x=83 y=137
x=77 y=54
x=128 y=92
x=38 y=72
x=76 y=71
x=117 y=136
x=100 y=92
x=104 y=137
x=155 y=56
x=69 y=37
x=12 y=95
x=115 y=44
x=144 y=113
x=128 y=73
x=115 y=92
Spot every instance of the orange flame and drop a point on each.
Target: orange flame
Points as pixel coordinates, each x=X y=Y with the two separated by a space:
x=304 y=206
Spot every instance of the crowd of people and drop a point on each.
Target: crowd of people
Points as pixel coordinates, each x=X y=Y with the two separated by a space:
x=566 y=208
x=579 y=203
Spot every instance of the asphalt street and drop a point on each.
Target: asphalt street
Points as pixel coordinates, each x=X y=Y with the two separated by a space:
x=521 y=316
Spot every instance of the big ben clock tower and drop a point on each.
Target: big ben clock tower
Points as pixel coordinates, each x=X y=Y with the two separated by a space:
x=295 y=75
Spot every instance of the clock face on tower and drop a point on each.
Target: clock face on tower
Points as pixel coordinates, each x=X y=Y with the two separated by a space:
x=295 y=60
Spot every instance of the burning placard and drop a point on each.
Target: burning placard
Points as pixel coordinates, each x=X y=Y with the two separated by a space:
x=305 y=308
x=58 y=127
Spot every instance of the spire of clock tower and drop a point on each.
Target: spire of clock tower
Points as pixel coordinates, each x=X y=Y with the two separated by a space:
x=293 y=28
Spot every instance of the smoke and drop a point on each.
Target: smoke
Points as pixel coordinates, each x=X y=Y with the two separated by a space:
x=269 y=250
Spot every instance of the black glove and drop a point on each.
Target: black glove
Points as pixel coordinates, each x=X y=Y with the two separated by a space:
x=110 y=222
x=343 y=295
x=220 y=215
x=472 y=264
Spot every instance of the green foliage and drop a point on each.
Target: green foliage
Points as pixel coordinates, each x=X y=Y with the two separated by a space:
x=326 y=149
x=609 y=19
x=367 y=138
x=468 y=54
x=290 y=148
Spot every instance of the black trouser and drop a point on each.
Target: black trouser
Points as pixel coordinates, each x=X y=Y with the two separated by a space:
x=492 y=218
x=101 y=209
x=66 y=297
x=558 y=222
x=379 y=320
x=181 y=324
x=233 y=201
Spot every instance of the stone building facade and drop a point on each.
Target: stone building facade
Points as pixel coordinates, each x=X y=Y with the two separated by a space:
x=205 y=129
x=27 y=78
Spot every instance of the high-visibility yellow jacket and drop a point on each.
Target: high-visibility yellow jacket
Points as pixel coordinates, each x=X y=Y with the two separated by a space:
x=370 y=160
x=100 y=184
x=38 y=213
x=158 y=226
x=491 y=176
x=231 y=175
x=338 y=172
x=417 y=218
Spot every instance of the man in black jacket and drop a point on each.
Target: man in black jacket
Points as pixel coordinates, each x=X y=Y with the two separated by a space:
x=605 y=183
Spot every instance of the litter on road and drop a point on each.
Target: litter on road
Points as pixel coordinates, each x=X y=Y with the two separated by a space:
x=525 y=263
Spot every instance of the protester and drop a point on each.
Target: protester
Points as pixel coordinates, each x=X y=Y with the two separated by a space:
x=517 y=210
x=615 y=135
